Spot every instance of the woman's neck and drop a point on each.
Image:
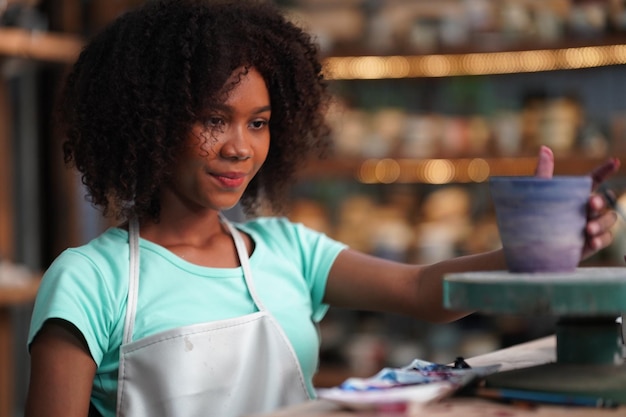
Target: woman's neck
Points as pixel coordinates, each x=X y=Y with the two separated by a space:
x=202 y=240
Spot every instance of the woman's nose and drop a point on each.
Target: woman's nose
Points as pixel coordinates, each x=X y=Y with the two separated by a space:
x=236 y=145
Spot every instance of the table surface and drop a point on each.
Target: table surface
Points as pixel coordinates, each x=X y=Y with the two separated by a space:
x=524 y=355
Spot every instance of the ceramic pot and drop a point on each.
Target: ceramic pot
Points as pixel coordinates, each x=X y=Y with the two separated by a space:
x=541 y=221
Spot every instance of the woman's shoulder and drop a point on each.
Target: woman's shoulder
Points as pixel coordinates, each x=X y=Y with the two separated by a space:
x=267 y=222
x=282 y=232
x=108 y=250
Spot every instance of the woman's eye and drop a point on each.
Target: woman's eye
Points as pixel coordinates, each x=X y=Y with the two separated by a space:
x=215 y=121
x=258 y=124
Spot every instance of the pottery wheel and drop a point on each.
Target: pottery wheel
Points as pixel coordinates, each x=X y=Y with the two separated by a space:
x=585 y=292
x=586 y=302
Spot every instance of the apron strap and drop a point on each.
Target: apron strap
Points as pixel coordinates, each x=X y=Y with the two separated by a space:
x=133 y=282
x=244 y=260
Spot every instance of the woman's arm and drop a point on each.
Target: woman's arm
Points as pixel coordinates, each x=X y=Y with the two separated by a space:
x=62 y=372
x=365 y=282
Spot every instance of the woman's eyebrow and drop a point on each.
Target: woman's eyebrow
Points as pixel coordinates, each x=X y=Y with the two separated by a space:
x=263 y=109
x=226 y=108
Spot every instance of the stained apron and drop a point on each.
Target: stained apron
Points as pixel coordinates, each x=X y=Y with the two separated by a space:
x=226 y=368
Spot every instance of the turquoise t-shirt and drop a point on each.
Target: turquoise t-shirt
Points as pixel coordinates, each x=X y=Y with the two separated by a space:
x=88 y=285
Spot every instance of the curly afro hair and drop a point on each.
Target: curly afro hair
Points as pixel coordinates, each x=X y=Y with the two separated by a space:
x=136 y=89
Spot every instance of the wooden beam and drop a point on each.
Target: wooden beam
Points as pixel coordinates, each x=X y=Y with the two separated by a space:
x=7 y=215
x=43 y=46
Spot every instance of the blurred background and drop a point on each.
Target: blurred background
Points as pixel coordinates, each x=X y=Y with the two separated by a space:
x=432 y=98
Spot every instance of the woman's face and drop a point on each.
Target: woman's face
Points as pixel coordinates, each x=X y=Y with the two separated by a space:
x=225 y=149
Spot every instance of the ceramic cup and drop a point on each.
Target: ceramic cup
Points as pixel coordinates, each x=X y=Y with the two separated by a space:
x=541 y=221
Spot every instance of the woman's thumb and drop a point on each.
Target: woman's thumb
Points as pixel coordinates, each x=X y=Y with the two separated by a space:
x=545 y=163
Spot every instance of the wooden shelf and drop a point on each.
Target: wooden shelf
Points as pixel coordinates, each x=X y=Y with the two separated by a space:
x=479 y=63
x=19 y=294
x=501 y=45
x=42 y=46
x=442 y=170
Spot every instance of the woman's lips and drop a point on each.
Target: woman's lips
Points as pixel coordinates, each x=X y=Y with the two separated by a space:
x=230 y=180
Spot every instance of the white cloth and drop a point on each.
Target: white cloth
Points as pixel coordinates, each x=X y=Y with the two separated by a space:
x=234 y=367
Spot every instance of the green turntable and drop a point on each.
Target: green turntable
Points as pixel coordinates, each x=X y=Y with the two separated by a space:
x=589 y=340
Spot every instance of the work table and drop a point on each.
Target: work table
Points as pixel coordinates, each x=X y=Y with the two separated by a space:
x=537 y=352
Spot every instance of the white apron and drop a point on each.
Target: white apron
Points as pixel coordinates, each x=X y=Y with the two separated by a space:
x=234 y=367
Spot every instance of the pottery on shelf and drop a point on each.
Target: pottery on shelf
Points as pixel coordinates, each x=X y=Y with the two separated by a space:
x=541 y=221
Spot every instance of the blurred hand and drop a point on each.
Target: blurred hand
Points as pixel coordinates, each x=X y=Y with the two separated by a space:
x=601 y=217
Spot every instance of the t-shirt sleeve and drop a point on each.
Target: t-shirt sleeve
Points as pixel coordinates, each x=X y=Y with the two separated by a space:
x=73 y=289
x=319 y=252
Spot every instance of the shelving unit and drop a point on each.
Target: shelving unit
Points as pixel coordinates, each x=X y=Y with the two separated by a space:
x=379 y=179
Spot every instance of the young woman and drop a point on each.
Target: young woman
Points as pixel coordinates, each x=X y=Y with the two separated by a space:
x=176 y=112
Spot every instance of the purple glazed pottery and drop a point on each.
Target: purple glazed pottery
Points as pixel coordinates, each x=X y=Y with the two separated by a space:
x=541 y=221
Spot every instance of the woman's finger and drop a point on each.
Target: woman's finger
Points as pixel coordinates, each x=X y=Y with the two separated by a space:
x=545 y=163
x=602 y=172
